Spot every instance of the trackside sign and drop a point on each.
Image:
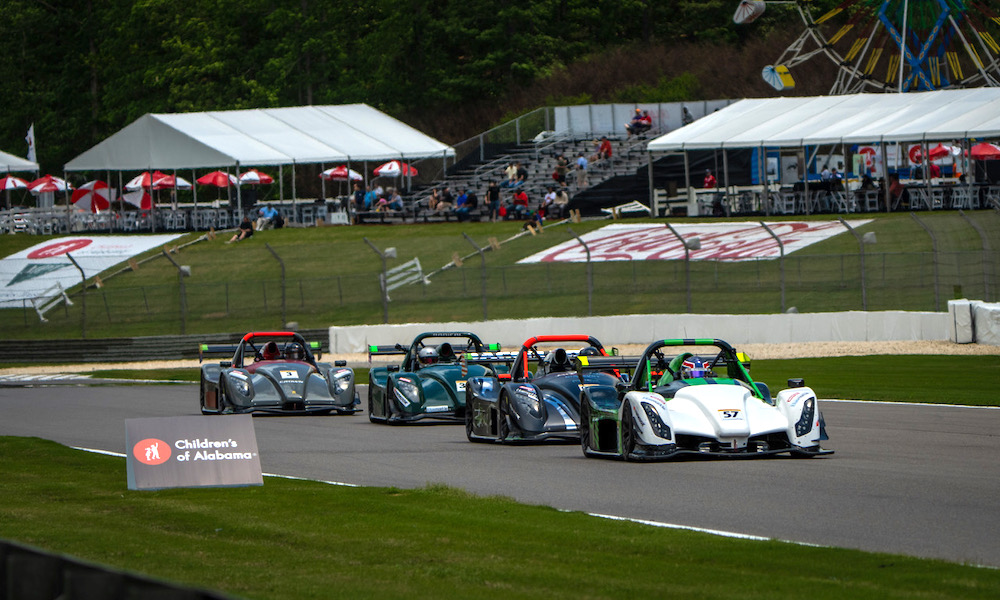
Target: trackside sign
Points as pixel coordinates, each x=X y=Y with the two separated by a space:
x=204 y=451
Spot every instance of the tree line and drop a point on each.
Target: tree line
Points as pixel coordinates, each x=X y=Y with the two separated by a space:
x=82 y=69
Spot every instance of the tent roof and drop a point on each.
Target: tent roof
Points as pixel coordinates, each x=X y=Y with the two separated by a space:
x=10 y=163
x=259 y=137
x=850 y=119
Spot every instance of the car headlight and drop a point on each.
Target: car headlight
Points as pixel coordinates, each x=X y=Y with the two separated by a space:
x=407 y=392
x=660 y=428
x=805 y=422
x=241 y=386
x=528 y=397
x=341 y=381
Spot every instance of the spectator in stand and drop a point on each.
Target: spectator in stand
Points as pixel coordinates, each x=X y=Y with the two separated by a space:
x=359 y=198
x=686 y=117
x=548 y=201
x=522 y=175
x=534 y=221
x=581 y=170
x=371 y=200
x=433 y=200
x=493 y=200
x=603 y=150
x=519 y=204
x=641 y=122
x=447 y=202
x=710 y=182
x=245 y=231
x=562 y=167
x=511 y=174
x=395 y=200
x=560 y=205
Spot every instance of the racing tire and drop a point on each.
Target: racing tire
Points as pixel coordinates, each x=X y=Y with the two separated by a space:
x=628 y=433
x=387 y=404
x=220 y=397
x=503 y=425
x=371 y=404
x=201 y=399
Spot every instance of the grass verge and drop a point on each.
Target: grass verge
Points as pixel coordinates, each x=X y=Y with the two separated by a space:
x=299 y=539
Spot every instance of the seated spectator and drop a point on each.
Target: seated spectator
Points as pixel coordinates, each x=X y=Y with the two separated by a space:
x=519 y=205
x=603 y=149
x=266 y=217
x=245 y=231
x=560 y=206
x=461 y=207
x=641 y=122
x=511 y=175
x=548 y=201
x=447 y=202
x=370 y=198
x=434 y=199
x=395 y=200
x=534 y=221
x=522 y=175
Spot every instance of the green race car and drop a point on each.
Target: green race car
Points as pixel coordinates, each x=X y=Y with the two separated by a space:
x=430 y=382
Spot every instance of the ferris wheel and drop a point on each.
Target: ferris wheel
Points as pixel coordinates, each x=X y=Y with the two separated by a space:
x=892 y=45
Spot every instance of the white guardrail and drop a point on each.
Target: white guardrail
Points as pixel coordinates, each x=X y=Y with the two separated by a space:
x=965 y=322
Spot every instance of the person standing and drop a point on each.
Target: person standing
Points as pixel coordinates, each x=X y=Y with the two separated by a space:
x=493 y=200
x=581 y=170
x=710 y=182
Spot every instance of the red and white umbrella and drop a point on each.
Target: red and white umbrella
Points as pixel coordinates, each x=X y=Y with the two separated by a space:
x=48 y=183
x=936 y=153
x=341 y=174
x=94 y=196
x=394 y=168
x=218 y=179
x=253 y=177
x=985 y=151
x=13 y=183
x=139 y=198
x=157 y=181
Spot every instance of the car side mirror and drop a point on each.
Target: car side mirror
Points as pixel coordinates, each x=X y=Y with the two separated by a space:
x=393 y=368
x=340 y=363
x=225 y=364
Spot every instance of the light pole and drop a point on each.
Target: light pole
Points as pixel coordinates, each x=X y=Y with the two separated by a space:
x=590 y=273
x=690 y=244
x=869 y=238
x=482 y=256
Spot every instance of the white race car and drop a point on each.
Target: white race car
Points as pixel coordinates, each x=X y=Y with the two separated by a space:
x=678 y=402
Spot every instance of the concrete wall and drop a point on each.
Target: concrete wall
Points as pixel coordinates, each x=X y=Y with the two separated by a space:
x=849 y=326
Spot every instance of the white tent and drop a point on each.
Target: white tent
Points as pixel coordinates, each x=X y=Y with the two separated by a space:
x=848 y=119
x=13 y=164
x=259 y=137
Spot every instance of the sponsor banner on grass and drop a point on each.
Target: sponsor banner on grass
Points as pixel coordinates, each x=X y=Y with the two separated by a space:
x=167 y=452
x=718 y=241
x=29 y=273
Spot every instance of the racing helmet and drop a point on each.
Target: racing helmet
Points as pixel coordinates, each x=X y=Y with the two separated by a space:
x=558 y=360
x=427 y=355
x=270 y=351
x=295 y=351
x=589 y=351
x=693 y=367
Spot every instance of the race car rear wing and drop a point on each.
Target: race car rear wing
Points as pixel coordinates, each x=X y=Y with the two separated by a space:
x=386 y=350
x=230 y=349
x=489 y=357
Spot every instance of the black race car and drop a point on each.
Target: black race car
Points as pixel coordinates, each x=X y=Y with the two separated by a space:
x=275 y=372
x=526 y=406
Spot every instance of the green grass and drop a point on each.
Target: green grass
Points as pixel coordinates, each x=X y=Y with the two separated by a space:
x=300 y=539
x=332 y=279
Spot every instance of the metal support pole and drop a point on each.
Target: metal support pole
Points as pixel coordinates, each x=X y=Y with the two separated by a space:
x=83 y=296
x=987 y=254
x=694 y=243
x=180 y=277
x=284 y=315
x=382 y=280
x=781 y=249
x=482 y=257
x=590 y=273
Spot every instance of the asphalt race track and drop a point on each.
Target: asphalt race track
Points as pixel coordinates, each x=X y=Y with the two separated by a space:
x=909 y=479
